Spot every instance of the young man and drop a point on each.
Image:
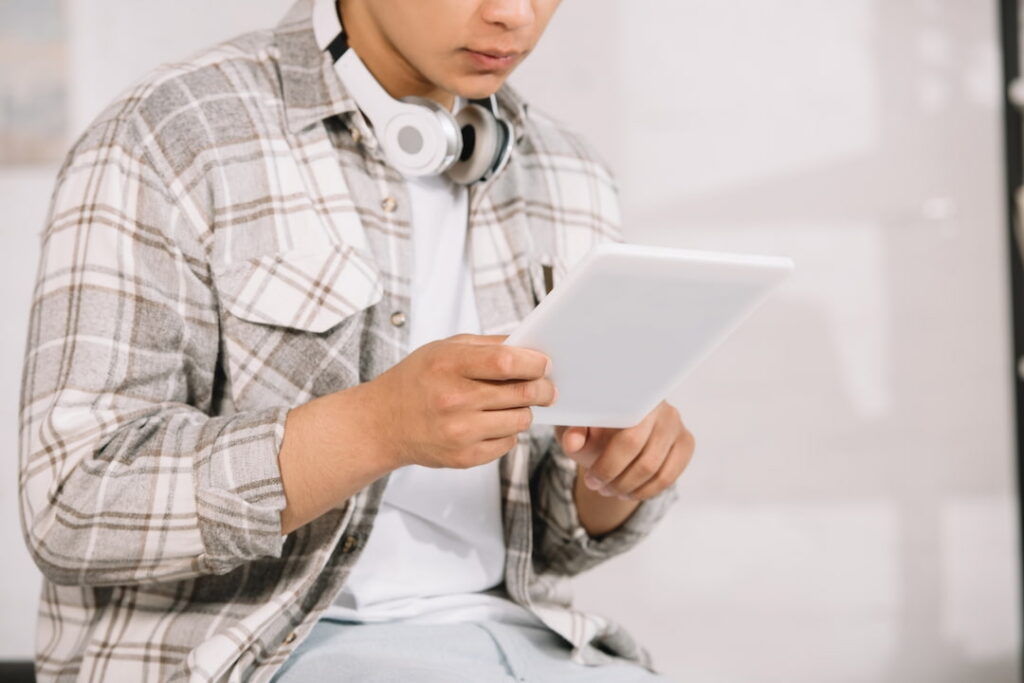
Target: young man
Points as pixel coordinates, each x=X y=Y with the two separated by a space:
x=253 y=341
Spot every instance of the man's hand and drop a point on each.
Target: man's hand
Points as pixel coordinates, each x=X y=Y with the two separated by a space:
x=631 y=464
x=458 y=402
x=634 y=463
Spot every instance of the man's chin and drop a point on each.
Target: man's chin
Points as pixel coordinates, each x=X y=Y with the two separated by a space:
x=477 y=86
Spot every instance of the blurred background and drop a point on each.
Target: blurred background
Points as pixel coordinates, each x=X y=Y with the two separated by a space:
x=851 y=510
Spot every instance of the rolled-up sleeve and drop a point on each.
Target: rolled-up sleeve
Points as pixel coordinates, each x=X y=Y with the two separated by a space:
x=561 y=544
x=124 y=476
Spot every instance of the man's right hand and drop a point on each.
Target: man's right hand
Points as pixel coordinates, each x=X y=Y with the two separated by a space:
x=458 y=402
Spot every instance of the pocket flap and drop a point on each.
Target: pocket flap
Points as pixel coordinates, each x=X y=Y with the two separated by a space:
x=302 y=289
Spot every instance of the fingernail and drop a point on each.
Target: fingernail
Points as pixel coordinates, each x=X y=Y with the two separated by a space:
x=593 y=482
x=547 y=368
x=554 y=397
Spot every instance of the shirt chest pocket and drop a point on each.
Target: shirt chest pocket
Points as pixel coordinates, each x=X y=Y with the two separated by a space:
x=291 y=322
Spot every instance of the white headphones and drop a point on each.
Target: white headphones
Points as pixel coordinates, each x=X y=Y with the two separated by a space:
x=417 y=135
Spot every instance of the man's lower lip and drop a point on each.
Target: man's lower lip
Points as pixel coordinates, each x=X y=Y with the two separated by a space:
x=489 y=62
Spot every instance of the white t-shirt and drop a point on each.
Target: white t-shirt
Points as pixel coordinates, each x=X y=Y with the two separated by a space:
x=436 y=552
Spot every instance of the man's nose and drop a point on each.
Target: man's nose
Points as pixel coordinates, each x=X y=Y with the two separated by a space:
x=511 y=14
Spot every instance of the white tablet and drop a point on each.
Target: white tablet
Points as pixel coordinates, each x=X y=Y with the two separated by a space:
x=629 y=321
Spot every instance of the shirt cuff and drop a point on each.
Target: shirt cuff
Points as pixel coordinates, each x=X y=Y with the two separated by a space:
x=635 y=527
x=567 y=546
x=240 y=493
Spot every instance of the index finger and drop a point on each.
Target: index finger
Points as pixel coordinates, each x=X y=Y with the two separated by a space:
x=499 y=362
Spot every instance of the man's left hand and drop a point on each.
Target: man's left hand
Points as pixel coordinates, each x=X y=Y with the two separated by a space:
x=632 y=463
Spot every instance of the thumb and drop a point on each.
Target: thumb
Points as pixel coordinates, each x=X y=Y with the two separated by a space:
x=574 y=438
x=468 y=338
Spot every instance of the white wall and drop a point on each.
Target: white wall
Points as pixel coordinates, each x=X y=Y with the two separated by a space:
x=849 y=514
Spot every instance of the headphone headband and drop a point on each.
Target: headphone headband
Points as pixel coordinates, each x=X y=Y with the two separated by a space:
x=339 y=46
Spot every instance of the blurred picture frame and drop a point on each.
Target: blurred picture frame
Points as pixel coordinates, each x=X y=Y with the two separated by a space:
x=33 y=81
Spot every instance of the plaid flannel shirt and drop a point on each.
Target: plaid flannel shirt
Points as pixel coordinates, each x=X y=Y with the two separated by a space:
x=225 y=242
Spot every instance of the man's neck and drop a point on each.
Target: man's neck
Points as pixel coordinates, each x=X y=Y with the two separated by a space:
x=391 y=69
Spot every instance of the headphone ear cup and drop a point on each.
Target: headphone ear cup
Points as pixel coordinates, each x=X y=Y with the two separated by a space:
x=483 y=141
x=423 y=139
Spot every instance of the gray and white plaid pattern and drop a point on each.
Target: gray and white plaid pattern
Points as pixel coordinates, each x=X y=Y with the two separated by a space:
x=219 y=250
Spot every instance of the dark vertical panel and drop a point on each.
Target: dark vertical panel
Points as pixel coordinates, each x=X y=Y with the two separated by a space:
x=1010 y=29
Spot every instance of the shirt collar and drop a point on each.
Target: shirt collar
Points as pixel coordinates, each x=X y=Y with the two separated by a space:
x=311 y=89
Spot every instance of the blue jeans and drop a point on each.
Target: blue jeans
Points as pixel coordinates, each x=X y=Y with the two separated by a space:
x=472 y=651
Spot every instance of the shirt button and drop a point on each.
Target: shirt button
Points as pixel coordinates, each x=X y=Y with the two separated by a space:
x=350 y=541
x=290 y=637
x=398 y=318
x=389 y=204
x=356 y=135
